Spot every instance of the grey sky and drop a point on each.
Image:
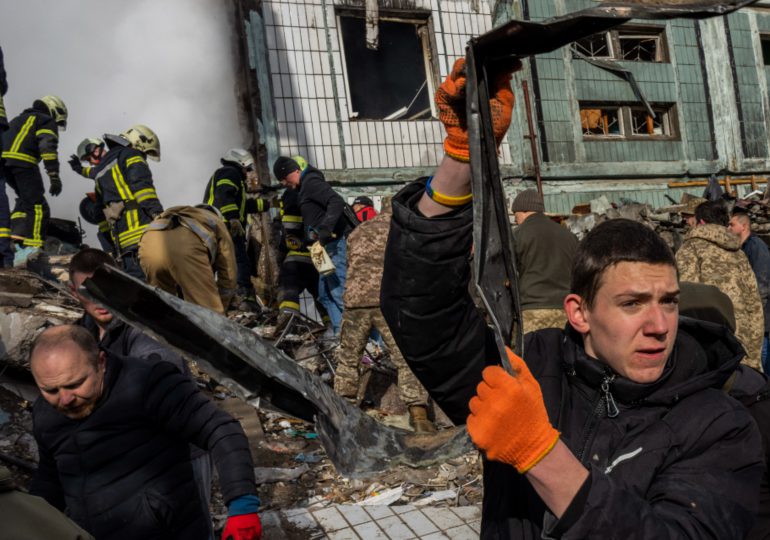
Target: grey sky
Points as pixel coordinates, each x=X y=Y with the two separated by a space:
x=169 y=64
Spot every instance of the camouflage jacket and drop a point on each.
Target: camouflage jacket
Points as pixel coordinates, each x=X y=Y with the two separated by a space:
x=712 y=255
x=366 y=258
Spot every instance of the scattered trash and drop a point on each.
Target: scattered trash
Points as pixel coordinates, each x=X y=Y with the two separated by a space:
x=268 y=475
x=436 y=496
x=307 y=458
x=384 y=498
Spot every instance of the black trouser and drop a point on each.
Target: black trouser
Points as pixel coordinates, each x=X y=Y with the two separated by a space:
x=296 y=276
x=29 y=219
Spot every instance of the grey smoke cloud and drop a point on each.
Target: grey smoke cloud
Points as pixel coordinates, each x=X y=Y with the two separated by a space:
x=169 y=64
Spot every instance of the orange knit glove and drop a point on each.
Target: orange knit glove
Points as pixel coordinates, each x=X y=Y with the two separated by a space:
x=508 y=420
x=450 y=100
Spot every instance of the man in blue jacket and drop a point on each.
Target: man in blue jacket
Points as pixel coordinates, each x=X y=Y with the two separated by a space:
x=759 y=258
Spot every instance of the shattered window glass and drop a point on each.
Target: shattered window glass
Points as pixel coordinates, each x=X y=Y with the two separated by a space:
x=595 y=46
x=601 y=122
x=643 y=124
x=638 y=47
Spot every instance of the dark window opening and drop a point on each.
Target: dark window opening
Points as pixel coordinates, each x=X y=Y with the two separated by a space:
x=632 y=44
x=765 y=49
x=393 y=82
x=621 y=121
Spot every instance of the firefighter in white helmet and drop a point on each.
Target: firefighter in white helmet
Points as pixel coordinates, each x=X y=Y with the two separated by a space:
x=227 y=192
x=126 y=192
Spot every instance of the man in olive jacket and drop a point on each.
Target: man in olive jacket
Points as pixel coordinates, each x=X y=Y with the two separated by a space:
x=615 y=427
x=544 y=253
x=114 y=435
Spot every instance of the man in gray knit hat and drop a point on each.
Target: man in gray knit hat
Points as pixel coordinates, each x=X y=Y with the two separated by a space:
x=544 y=253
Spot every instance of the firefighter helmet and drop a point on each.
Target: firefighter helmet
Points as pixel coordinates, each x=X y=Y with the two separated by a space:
x=240 y=157
x=142 y=138
x=57 y=109
x=302 y=162
x=87 y=146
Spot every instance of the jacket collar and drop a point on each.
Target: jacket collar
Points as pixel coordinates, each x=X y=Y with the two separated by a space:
x=704 y=356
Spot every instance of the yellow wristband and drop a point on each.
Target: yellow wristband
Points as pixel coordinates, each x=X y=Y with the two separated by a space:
x=446 y=200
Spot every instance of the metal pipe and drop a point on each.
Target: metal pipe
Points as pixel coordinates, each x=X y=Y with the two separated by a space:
x=532 y=139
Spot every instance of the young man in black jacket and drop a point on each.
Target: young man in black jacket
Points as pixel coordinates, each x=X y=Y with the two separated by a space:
x=615 y=427
x=326 y=221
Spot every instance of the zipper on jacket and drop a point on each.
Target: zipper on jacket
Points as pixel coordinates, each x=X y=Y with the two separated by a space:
x=612 y=408
x=588 y=432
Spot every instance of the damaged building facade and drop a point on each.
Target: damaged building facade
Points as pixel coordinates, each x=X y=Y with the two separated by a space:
x=349 y=84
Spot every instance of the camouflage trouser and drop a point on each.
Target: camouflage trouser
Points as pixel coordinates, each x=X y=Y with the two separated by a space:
x=537 y=319
x=356 y=325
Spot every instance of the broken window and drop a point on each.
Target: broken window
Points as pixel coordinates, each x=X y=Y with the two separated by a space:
x=395 y=81
x=640 y=45
x=646 y=125
x=595 y=46
x=603 y=122
x=634 y=44
x=626 y=121
x=765 y=39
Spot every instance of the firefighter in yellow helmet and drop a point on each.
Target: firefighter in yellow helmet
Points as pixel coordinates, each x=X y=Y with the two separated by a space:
x=126 y=192
x=31 y=137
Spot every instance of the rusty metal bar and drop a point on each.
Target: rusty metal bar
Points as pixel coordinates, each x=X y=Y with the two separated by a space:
x=532 y=138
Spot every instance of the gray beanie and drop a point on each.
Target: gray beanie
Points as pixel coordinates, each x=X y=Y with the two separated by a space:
x=528 y=200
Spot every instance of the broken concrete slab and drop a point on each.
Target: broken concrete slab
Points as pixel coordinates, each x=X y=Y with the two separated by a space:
x=356 y=444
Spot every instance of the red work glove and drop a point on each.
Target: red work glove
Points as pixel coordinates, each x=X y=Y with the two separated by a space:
x=450 y=100
x=243 y=527
x=508 y=420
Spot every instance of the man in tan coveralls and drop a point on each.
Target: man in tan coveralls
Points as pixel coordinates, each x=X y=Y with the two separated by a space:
x=366 y=257
x=711 y=254
x=190 y=248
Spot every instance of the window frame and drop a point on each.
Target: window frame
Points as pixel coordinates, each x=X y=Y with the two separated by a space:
x=667 y=112
x=423 y=21
x=615 y=36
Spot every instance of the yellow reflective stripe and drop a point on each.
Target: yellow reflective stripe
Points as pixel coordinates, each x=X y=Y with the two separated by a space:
x=134 y=160
x=131 y=236
x=22 y=134
x=5 y=233
x=288 y=304
x=228 y=208
x=103 y=226
x=87 y=171
x=20 y=157
x=38 y=226
x=298 y=254
x=48 y=156
x=46 y=132
x=260 y=205
x=18 y=215
x=146 y=193
x=291 y=219
x=226 y=182
x=211 y=191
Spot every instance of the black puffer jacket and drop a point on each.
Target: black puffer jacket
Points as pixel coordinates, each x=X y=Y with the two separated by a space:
x=680 y=460
x=323 y=209
x=124 y=471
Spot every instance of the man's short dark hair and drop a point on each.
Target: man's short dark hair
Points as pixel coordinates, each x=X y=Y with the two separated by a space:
x=713 y=212
x=610 y=243
x=56 y=335
x=742 y=215
x=87 y=260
